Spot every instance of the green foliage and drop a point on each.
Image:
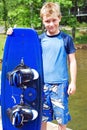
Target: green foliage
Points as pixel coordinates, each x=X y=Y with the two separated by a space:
x=21 y=12
x=2 y=41
x=26 y=12
x=69 y=21
x=67 y=3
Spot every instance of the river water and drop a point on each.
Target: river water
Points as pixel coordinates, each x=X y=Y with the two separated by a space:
x=78 y=102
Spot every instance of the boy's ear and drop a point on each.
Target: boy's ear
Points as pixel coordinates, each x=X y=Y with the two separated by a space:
x=60 y=17
x=43 y=22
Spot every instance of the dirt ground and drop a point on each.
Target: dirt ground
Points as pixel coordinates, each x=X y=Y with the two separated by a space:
x=81 y=46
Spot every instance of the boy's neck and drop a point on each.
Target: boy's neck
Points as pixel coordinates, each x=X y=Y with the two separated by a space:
x=52 y=34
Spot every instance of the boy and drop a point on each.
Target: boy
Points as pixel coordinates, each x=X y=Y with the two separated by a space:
x=57 y=47
x=55 y=51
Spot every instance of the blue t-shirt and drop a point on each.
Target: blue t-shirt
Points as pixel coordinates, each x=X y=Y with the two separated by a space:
x=54 y=53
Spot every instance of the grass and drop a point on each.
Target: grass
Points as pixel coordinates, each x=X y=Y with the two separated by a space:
x=81 y=37
x=2 y=41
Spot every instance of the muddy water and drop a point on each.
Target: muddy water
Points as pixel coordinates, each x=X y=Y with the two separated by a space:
x=78 y=102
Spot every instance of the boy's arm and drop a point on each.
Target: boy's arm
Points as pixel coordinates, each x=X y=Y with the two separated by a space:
x=73 y=73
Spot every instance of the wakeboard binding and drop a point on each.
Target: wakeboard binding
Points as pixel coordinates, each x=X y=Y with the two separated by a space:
x=22 y=77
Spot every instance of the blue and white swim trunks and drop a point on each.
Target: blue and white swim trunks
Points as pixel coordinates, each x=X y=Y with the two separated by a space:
x=55 y=103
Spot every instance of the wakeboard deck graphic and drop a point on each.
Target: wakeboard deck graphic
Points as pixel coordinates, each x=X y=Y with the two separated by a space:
x=21 y=81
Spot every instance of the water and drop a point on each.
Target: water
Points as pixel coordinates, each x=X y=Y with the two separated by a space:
x=78 y=102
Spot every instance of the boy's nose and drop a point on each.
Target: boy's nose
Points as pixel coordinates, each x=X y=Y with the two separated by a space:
x=51 y=23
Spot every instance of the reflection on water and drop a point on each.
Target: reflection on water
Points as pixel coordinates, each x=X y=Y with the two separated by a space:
x=78 y=102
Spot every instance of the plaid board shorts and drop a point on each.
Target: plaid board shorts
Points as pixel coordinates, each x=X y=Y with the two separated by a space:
x=55 y=103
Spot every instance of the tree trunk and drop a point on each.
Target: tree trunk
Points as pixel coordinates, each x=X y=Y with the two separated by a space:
x=5 y=14
x=73 y=32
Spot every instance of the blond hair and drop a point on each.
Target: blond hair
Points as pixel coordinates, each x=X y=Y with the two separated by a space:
x=50 y=8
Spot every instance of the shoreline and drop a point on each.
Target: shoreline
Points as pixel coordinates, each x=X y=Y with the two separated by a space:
x=80 y=46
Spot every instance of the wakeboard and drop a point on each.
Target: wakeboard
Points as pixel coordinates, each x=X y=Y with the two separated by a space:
x=22 y=81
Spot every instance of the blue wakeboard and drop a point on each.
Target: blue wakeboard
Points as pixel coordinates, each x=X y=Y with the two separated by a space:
x=21 y=81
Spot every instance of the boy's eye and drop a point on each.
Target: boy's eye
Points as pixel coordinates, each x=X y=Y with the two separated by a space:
x=54 y=20
x=47 y=21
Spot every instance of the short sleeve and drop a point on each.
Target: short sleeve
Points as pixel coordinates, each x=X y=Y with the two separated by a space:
x=68 y=43
x=70 y=48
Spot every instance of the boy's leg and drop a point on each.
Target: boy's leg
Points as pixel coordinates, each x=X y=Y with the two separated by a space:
x=61 y=127
x=44 y=126
x=59 y=99
x=47 y=107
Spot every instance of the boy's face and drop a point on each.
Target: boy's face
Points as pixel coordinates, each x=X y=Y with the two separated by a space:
x=51 y=24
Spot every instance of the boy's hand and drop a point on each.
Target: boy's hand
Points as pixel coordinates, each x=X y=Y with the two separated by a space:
x=10 y=31
x=71 y=89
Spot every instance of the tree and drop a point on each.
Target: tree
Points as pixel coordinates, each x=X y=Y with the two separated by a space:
x=26 y=12
x=21 y=12
x=5 y=13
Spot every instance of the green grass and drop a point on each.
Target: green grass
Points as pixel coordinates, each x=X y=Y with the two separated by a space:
x=2 y=41
x=81 y=37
